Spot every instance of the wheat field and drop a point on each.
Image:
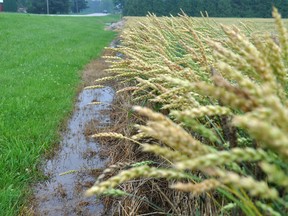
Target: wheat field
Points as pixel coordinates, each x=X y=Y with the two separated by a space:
x=213 y=101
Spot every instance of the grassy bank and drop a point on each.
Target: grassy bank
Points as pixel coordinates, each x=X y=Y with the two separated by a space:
x=40 y=62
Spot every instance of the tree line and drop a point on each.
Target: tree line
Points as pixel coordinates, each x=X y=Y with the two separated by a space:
x=40 y=6
x=215 y=8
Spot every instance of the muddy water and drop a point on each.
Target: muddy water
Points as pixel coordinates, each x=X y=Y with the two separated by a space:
x=63 y=195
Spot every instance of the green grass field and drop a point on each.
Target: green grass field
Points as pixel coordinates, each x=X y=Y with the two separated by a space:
x=40 y=62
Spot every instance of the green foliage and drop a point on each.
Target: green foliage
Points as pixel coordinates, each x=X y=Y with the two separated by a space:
x=40 y=62
x=78 y=5
x=55 y=6
x=10 y=5
x=215 y=8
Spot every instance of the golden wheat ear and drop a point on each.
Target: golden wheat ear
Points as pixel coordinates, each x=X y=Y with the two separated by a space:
x=282 y=33
x=133 y=173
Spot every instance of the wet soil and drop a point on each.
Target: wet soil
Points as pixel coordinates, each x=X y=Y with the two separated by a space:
x=78 y=153
x=63 y=194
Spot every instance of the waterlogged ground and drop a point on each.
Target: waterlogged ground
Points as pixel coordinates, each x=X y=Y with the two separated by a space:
x=63 y=194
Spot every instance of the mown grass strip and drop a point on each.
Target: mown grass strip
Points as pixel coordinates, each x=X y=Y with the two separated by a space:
x=40 y=62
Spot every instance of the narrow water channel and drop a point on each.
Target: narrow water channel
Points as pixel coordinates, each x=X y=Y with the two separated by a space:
x=63 y=195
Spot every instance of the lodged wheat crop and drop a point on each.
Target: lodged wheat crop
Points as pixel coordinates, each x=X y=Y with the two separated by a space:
x=218 y=113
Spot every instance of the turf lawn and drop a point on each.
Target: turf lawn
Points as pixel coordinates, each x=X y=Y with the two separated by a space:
x=41 y=58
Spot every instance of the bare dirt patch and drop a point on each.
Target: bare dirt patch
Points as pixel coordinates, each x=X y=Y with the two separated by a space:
x=95 y=70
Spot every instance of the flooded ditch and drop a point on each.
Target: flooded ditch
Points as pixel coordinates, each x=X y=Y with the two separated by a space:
x=63 y=194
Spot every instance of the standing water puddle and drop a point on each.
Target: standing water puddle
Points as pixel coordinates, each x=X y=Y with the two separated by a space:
x=63 y=195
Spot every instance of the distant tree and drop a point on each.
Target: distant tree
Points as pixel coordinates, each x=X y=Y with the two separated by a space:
x=224 y=8
x=10 y=5
x=158 y=8
x=187 y=6
x=78 y=5
x=37 y=6
x=130 y=8
x=242 y=8
x=261 y=8
x=171 y=7
x=210 y=6
x=282 y=5
x=55 y=6
x=215 y=8
x=59 y=6
x=21 y=3
x=106 y=5
x=119 y=4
